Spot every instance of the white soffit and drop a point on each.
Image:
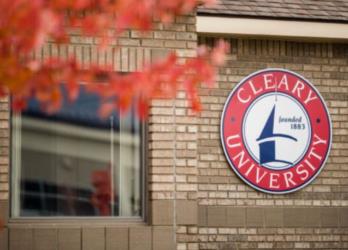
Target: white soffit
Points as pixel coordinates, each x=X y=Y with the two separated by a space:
x=274 y=28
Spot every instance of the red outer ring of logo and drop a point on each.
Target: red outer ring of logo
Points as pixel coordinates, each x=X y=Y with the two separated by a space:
x=262 y=178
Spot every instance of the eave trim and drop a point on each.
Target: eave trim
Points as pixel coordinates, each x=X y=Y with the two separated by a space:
x=272 y=28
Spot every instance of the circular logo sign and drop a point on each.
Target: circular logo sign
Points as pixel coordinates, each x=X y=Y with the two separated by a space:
x=276 y=131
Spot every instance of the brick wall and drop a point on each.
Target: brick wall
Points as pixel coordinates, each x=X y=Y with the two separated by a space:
x=4 y=150
x=4 y=168
x=172 y=154
x=234 y=216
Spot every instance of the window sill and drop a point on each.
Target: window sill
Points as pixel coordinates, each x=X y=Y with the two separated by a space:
x=58 y=222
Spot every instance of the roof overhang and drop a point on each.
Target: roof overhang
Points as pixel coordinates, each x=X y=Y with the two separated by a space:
x=253 y=27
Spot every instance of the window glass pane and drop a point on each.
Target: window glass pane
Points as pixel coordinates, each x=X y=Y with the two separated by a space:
x=73 y=163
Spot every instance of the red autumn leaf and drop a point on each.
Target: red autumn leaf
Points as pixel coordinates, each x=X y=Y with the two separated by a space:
x=142 y=108
x=218 y=54
x=72 y=89
x=18 y=104
x=106 y=109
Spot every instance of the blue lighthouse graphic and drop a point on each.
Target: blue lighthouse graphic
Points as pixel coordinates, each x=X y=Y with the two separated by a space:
x=267 y=141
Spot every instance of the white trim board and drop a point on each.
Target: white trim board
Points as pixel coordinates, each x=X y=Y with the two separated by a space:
x=272 y=28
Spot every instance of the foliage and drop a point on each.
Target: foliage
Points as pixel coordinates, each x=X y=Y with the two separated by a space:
x=26 y=25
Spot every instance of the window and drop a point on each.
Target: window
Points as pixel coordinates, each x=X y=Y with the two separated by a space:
x=73 y=163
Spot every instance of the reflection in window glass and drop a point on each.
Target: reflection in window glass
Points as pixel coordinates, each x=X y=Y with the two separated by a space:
x=73 y=163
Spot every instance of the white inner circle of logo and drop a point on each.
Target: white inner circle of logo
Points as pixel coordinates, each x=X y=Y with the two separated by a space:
x=276 y=131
